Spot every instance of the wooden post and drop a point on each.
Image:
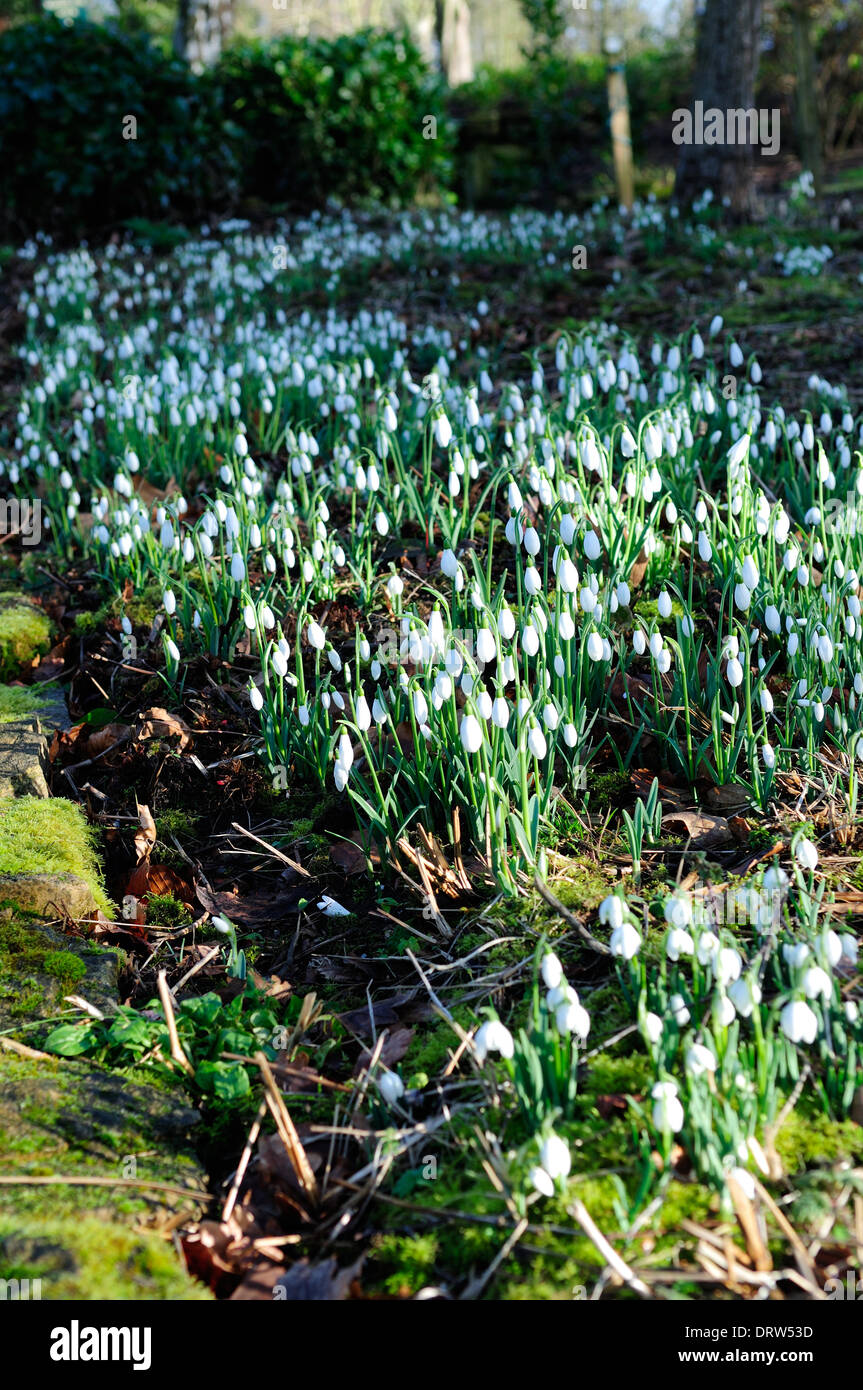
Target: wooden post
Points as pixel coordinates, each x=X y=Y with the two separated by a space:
x=621 y=140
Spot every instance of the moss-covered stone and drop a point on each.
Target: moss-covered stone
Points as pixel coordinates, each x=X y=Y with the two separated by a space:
x=39 y=966
x=39 y=837
x=25 y=633
x=94 y=1241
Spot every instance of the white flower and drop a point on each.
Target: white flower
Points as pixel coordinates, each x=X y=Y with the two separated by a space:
x=806 y=854
x=449 y=564
x=611 y=911
x=679 y=1011
x=795 y=955
x=744 y=994
x=734 y=673
x=391 y=1087
x=653 y=1027
x=667 y=1110
x=552 y=970
x=316 y=636
x=330 y=908
x=798 y=1022
x=594 y=647
x=571 y=1017
x=817 y=982
x=592 y=547
x=536 y=743
x=471 y=734
x=492 y=1036
x=678 y=943
x=849 y=947
x=663 y=604
x=625 y=941
x=555 y=1157
x=256 y=699
x=486 y=647
x=700 y=1059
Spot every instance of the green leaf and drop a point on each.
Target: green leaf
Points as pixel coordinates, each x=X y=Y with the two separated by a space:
x=71 y=1039
x=227 y=1080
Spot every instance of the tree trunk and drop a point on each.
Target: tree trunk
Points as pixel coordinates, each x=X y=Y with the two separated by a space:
x=808 y=130
x=452 y=19
x=203 y=28
x=726 y=69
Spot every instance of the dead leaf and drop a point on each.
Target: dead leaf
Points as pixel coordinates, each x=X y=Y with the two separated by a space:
x=703 y=830
x=395 y=1045
x=322 y=1282
x=158 y=723
x=145 y=838
x=105 y=738
x=727 y=798
x=351 y=856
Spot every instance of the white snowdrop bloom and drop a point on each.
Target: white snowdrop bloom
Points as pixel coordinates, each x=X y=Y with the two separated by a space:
x=849 y=947
x=249 y=617
x=532 y=543
x=536 y=743
x=506 y=624
x=592 y=547
x=541 y=1181
x=678 y=910
x=449 y=564
x=486 y=647
x=530 y=640
x=551 y=970
x=625 y=941
x=667 y=1111
x=795 y=955
x=816 y=982
x=798 y=1022
x=611 y=911
x=594 y=647
x=750 y=572
x=700 y=1060
x=442 y=431
x=238 y=568
x=572 y=1017
x=395 y=586
x=256 y=699
x=663 y=604
x=825 y=648
x=391 y=1087
x=734 y=673
x=500 y=713
x=656 y=645
x=554 y=1157
x=744 y=994
x=727 y=964
x=679 y=1011
x=772 y=620
x=766 y=700
x=567 y=576
x=470 y=732
x=768 y=756
x=639 y=641
x=705 y=549
x=742 y=597
x=708 y=945
x=806 y=854
x=316 y=636
x=831 y=945
x=172 y=649
x=678 y=943
x=653 y=1027
x=169 y=602
x=493 y=1036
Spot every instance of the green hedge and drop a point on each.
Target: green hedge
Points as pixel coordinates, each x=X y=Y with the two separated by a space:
x=291 y=122
x=65 y=91
x=344 y=117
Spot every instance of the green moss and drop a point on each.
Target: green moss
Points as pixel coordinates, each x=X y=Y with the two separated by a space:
x=92 y=1259
x=25 y=633
x=17 y=701
x=432 y=1047
x=807 y=1139
x=167 y=911
x=50 y=837
x=65 y=966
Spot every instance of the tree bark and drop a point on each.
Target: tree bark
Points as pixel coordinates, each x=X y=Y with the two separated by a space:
x=202 y=30
x=808 y=130
x=726 y=70
x=452 y=21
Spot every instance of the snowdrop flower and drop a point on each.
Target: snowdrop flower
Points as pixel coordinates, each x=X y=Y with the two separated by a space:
x=667 y=1110
x=798 y=1022
x=625 y=941
x=492 y=1036
x=611 y=911
x=330 y=908
x=551 y=970
x=172 y=649
x=744 y=994
x=679 y=1011
x=806 y=854
x=554 y=1157
x=653 y=1027
x=316 y=636
x=572 y=1017
x=592 y=547
x=700 y=1059
x=391 y=1087
x=727 y=964
x=238 y=568
x=734 y=673
x=849 y=947
x=470 y=732
x=678 y=943
x=536 y=743
x=256 y=699
x=817 y=982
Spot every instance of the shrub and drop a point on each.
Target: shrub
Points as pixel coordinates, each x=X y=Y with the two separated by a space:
x=324 y=118
x=65 y=91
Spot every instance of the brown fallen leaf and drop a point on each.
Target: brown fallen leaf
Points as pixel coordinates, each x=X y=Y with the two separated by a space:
x=322 y=1282
x=727 y=798
x=145 y=837
x=102 y=739
x=395 y=1044
x=702 y=829
x=158 y=723
x=351 y=856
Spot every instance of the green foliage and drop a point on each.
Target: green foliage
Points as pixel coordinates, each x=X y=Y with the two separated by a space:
x=341 y=117
x=50 y=837
x=25 y=631
x=65 y=91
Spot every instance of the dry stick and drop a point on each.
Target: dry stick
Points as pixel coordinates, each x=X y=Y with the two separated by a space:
x=801 y=1254
x=71 y=1181
x=608 y=1253
x=287 y=1130
x=570 y=917
x=199 y=965
x=177 y=1052
x=243 y=1164
x=292 y=863
x=24 y=1051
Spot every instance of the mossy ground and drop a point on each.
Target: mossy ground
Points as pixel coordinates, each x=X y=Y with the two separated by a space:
x=25 y=633
x=50 y=837
x=18 y=701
